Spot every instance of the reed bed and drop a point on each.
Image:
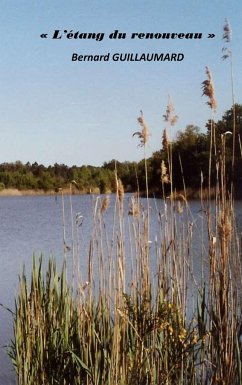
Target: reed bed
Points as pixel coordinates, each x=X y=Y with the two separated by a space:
x=129 y=324
x=122 y=322
x=111 y=332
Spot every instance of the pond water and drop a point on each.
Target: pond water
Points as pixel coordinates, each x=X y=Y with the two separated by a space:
x=35 y=225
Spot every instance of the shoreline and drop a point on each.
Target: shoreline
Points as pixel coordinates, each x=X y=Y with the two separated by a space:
x=13 y=192
x=189 y=194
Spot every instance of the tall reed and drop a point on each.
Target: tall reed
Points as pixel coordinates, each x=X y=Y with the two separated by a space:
x=133 y=333
x=124 y=322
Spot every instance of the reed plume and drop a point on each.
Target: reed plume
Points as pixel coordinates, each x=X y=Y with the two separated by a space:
x=119 y=189
x=169 y=115
x=134 y=206
x=227 y=35
x=164 y=174
x=144 y=134
x=105 y=204
x=209 y=91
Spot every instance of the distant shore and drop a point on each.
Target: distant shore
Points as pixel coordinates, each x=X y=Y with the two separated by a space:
x=190 y=194
x=11 y=192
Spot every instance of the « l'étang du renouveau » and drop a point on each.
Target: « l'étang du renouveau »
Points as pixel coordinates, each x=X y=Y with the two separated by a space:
x=129 y=57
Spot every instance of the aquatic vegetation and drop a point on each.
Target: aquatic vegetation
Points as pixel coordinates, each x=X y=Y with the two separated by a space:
x=129 y=325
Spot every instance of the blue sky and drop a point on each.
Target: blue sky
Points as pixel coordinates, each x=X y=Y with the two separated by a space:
x=56 y=110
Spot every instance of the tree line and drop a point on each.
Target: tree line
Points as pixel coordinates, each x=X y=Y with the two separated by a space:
x=189 y=156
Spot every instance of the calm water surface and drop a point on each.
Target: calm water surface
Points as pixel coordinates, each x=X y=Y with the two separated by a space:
x=34 y=225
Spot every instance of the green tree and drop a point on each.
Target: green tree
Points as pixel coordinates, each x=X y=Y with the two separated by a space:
x=225 y=125
x=190 y=157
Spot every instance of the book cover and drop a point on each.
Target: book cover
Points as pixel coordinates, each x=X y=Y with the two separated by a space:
x=76 y=75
